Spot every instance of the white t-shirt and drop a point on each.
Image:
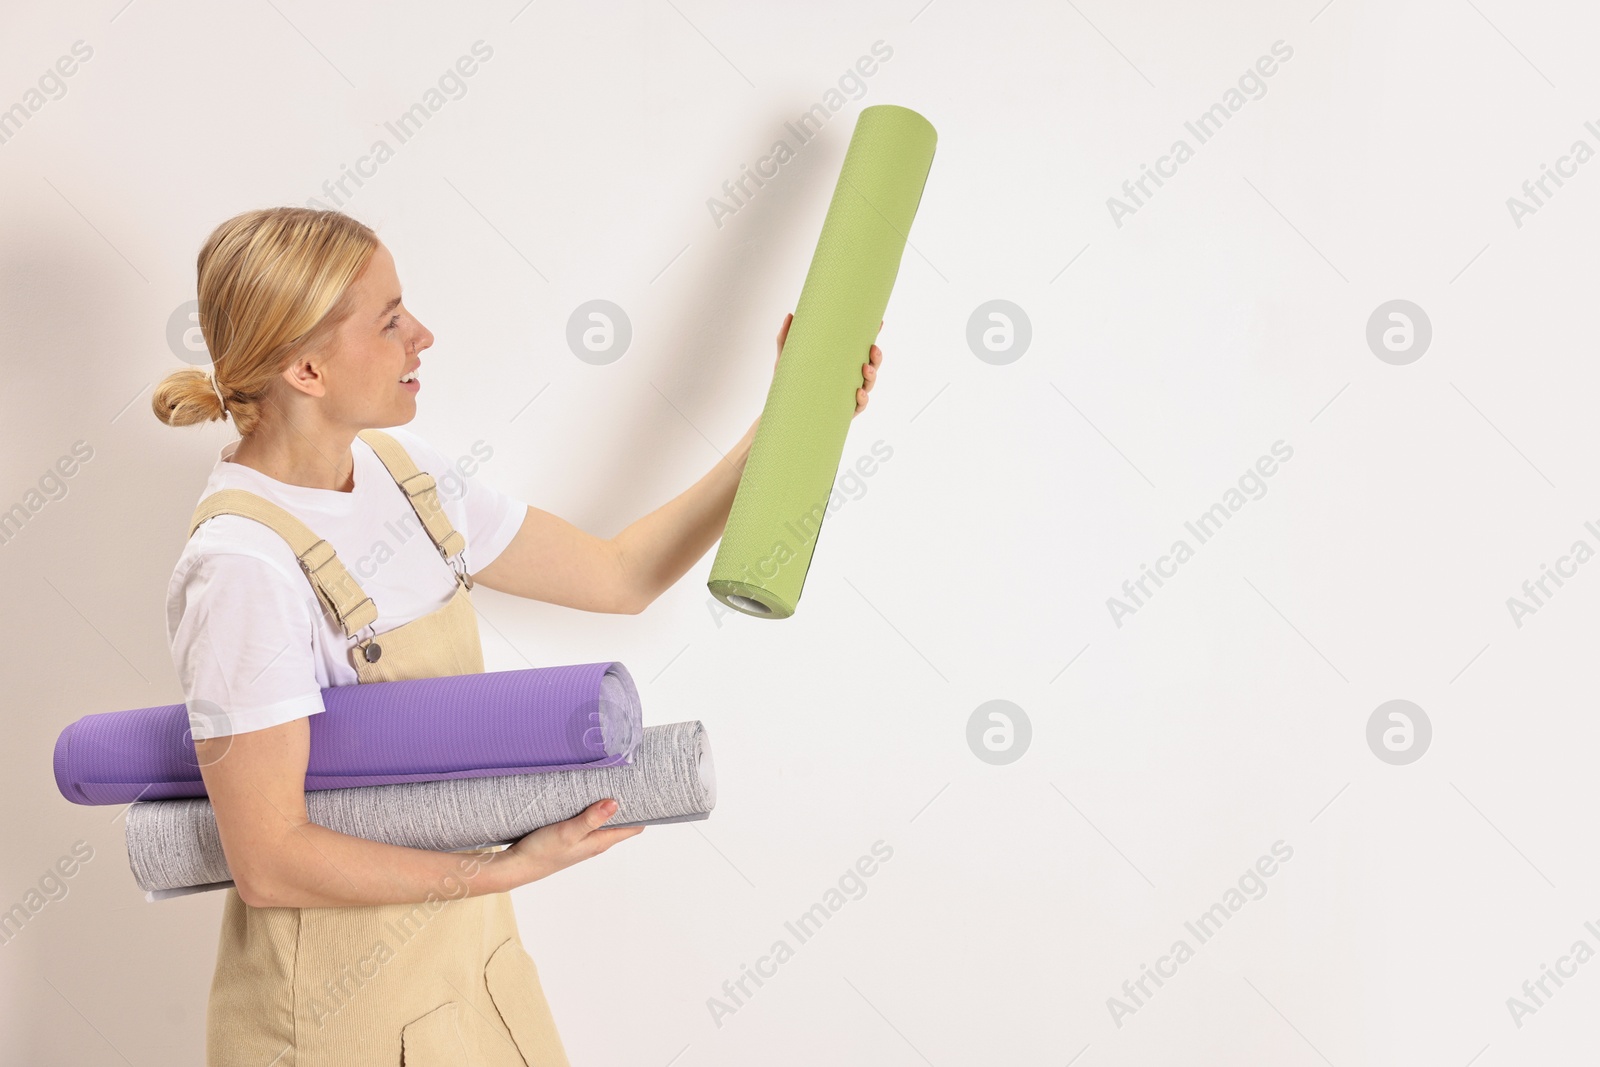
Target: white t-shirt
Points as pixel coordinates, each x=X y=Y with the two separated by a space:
x=252 y=643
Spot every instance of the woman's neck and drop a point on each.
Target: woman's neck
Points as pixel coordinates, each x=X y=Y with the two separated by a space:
x=316 y=461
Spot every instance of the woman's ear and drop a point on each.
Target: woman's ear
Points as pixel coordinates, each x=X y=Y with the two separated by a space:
x=304 y=374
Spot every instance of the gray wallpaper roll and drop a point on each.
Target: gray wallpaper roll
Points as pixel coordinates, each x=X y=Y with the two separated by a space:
x=173 y=845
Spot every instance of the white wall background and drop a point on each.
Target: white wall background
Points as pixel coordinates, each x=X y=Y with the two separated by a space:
x=1167 y=354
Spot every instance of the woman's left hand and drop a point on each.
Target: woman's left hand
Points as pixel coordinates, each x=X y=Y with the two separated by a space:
x=869 y=369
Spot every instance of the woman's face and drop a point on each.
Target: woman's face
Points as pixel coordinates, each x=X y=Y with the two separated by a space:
x=372 y=350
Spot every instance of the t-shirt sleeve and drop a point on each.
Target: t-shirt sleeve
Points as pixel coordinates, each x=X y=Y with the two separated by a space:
x=488 y=518
x=241 y=636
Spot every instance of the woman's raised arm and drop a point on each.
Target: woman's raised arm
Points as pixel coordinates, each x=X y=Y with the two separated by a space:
x=552 y=560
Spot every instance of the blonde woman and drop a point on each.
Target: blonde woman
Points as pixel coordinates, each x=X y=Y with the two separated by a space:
x=335 y=949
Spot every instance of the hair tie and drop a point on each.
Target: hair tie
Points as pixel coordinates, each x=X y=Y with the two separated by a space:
x=216 y=387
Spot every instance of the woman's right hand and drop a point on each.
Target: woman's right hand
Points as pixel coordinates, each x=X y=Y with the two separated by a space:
x=561 y=844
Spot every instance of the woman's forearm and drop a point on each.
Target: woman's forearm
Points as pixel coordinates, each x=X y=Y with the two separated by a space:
x=311 y=866
x=660 y=548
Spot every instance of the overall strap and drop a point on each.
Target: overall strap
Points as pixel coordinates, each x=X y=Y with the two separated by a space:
x=334 y=585
x=421 y=490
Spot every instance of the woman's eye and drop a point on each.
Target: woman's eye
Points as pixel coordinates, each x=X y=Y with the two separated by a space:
x=393 y=323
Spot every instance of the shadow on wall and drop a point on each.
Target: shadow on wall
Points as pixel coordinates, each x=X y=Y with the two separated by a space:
x=728 y=322
x=66 y=304
x=87 y=960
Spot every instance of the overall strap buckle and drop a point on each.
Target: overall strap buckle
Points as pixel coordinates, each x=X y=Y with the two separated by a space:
x=336 y=588
x=422 y=493
x=458 y=563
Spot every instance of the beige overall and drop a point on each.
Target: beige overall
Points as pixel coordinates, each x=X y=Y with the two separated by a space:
x=446 y=981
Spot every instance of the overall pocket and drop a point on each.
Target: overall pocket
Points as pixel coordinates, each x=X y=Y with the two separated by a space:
x=513 y=983
x=435 y=1039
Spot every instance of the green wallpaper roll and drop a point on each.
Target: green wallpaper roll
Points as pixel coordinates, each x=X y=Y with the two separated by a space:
x=782 y=498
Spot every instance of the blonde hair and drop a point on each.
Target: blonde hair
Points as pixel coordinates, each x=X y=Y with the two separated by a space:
x=272 y=283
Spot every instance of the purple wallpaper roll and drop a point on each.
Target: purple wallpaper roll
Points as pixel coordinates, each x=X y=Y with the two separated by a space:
x=381 y=733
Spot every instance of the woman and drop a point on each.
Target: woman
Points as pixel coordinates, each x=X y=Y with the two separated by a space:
x=314 y=559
